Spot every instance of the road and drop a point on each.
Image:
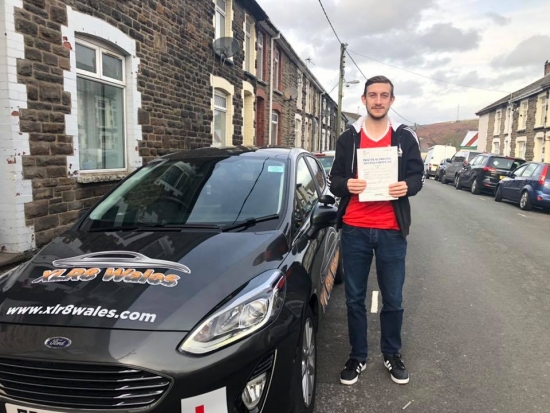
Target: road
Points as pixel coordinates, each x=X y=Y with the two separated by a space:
x=477 y=315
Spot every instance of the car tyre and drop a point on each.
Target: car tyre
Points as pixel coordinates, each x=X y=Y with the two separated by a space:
x=443 y=179
x=476 y=190
x=458 y=184
x=524 y=202
x=305 y=376
x=498 y=194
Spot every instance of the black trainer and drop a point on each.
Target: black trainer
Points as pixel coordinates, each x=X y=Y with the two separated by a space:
x=351 y=371
x=397 y=369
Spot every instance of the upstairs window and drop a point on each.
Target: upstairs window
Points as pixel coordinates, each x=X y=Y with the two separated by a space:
x=222 y=19
x=276 y=60
x=247 y=44
x=498 y=119
x=260 y=57
x=522 y=121
x=100 y=94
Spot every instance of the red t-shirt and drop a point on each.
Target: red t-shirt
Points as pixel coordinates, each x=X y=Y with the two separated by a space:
x=379 y=215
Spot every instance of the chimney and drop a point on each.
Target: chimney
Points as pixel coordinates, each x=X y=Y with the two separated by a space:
x=547 y=68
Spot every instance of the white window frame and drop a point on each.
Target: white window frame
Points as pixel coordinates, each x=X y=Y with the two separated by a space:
x=307 y=96
x=299 y=86
x=298 y=131
x=542 y=108
x=260 y=57
x=276 y=68
x=508 y=120
x=222 y=94
x=219 y=34
x=274 y=120
x=248 y=44
x=495 y=148
x=498 y=121
x=521 y=140
x=522 y=119
x=100 y=48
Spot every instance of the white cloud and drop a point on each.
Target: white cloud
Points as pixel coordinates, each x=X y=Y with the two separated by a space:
x=463 y=42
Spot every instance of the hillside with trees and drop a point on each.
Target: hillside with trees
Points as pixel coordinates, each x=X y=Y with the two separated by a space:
x=445 y=133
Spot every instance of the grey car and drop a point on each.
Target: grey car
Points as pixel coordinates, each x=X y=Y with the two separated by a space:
x=457 y=162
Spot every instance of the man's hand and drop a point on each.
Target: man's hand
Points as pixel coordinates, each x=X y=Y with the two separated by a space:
x=356 y=186
x=399 y=189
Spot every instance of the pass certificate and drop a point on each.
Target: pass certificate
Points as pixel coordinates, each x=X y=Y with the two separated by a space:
x=377 y=166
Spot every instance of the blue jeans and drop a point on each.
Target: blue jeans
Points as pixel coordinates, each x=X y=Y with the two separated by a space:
x=359 y=246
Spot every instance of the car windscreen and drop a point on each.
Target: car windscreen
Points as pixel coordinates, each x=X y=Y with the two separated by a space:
x=504 y=163
x=216 y=191
x=326 y=161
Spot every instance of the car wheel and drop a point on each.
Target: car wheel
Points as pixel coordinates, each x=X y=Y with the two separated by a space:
x=339 y=277
x=443 y=179
x=476 y=190
x=524 y=202
x=498 y=194
x=305 y=380
x=458 y=184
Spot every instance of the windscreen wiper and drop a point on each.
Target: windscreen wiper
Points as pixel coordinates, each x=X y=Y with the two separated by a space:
x=250 y=222
x=172 y=227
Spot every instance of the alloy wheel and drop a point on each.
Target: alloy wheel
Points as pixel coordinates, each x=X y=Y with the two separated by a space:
x=308 y=362
x=523 y=200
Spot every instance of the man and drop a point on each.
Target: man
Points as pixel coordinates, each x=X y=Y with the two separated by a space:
x=375 y=229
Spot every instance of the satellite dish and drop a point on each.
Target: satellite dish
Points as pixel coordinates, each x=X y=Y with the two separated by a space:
x=226 y=47
x=290 y=92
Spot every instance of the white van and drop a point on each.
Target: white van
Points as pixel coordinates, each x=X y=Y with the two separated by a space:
x=434 y=157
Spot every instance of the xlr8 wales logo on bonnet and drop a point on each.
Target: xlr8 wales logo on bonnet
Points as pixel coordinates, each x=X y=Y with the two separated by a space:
x=116 y=266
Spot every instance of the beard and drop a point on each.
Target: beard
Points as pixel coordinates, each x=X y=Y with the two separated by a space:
x=377 y=117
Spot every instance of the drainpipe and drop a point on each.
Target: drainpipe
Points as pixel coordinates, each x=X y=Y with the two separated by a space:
x=273 y=38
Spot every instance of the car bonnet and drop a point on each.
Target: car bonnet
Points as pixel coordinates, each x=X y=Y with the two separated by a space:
x=135 y=280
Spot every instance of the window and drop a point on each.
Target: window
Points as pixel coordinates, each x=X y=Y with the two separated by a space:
x=323 y=140
x=299 y=86
x=274 y=128
x=220 y=119
x=496 y=146
x=307 y=96
x=522 y=121
x=260 y=57
x=276 y=58
x=498 y=120
x=298 y=133
x=306 y=194
x=520 y=170
x=100 y=94
x=318 y=173
x=508 y=120
x=521 y=147
x=247 y=43
x=221 y=18
x=542 y=107
x=529 y=171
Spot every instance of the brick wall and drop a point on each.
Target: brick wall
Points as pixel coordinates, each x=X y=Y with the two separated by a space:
x=173 y=109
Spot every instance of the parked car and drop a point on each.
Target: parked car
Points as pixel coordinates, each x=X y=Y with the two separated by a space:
x=441 y=168
x=435 y=155
x=529 y=186
x=485 y=171
x=326 y=158
x=199 y=295
x=456 y=163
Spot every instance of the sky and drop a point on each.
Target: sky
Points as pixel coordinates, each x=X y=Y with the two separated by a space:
x=447 y=59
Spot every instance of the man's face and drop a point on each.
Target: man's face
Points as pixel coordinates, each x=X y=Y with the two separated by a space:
x=378 y=100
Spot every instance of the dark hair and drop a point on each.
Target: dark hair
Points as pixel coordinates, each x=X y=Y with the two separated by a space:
x=377 y=79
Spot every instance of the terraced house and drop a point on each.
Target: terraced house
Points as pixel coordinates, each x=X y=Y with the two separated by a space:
x=90 y=90
x=519 y=124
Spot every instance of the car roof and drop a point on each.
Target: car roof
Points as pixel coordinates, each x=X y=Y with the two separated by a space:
x=241 y=150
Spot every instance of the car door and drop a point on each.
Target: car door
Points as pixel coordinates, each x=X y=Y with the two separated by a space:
x=452 y=168
x=512 y=189
x=469 y=171
x=325 y=261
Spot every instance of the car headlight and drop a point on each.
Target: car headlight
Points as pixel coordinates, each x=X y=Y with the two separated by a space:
x=259 y=302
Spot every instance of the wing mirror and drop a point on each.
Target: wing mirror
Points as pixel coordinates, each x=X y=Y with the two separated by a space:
x=324 y=215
